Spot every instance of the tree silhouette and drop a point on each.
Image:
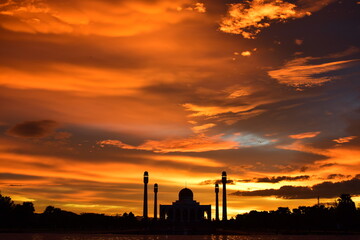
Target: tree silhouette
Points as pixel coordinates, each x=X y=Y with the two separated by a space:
x=345 y=211
x=24 y=214
x=346 y=203
x=6 y=209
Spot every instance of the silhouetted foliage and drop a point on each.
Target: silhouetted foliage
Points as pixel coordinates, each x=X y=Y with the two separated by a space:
x=6 y=209
x=341 y=216
x=24 y=214
x=345 y=212
x=11 y=214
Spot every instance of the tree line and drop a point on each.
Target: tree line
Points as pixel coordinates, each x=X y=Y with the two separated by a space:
x=23 y=216
x=341 y=216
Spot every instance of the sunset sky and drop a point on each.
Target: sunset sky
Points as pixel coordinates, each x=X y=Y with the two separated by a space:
x=95 y=92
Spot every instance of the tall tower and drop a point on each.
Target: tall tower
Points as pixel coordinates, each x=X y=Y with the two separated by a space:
x=224 y=180
x=217 y=202
x=145 y=208
x=155 y=200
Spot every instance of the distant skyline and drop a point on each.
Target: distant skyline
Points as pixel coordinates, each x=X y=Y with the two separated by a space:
x=94 y=93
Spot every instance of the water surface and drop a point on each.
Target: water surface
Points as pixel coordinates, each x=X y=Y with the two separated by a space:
x=53 y=236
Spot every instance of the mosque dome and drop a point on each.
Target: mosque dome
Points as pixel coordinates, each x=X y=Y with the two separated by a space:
x=186 y=194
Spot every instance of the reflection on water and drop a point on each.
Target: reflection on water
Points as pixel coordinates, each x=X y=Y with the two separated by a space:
x=28 y=236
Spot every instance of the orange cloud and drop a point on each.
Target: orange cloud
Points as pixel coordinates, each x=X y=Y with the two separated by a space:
x=214 y=110
x=65 y=77
x=197 y=7
x=246 y=54
x=202 y=128
x=200 y=7
x=304 y=135
x=337 y=159
x=227 y=114
x=299 y=146
x=241 y=116
x=239 y=91
x=106 y=18
x=298 y=41
x=299 y=73
x=344 y=139
x=197 y=143
x=248 y=18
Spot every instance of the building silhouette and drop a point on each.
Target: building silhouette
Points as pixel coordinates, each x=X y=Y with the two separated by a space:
x=145 y=208
x=156 y=189
x=217 y=202
x=185 y=210
x=224 y=180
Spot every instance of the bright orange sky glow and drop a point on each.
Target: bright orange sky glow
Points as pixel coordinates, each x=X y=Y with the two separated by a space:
x=94 y=93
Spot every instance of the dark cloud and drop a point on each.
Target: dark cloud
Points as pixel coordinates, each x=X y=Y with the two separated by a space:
x=244 y=180
x=259 y=180
x=327 y=165
x=333 y=176
x=13 y=176
x=35 y=129
x=322 y=190
x=211 y=182
x=282 y=178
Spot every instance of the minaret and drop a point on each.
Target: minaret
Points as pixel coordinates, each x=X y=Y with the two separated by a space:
x=155 y=200
x=224 y=214
x=145 y=209
x=217 y=202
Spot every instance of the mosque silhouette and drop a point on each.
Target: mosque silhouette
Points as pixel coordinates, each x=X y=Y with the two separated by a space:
x=185 y=209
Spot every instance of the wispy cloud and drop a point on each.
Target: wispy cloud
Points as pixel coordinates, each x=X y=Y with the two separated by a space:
x=202 y=128
x=344 y=139
x=197 y=143
x=226 y=114
x=215 y=110
x=300 y=73
x=239 y=93
x=304 y=135
x=313 y=71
